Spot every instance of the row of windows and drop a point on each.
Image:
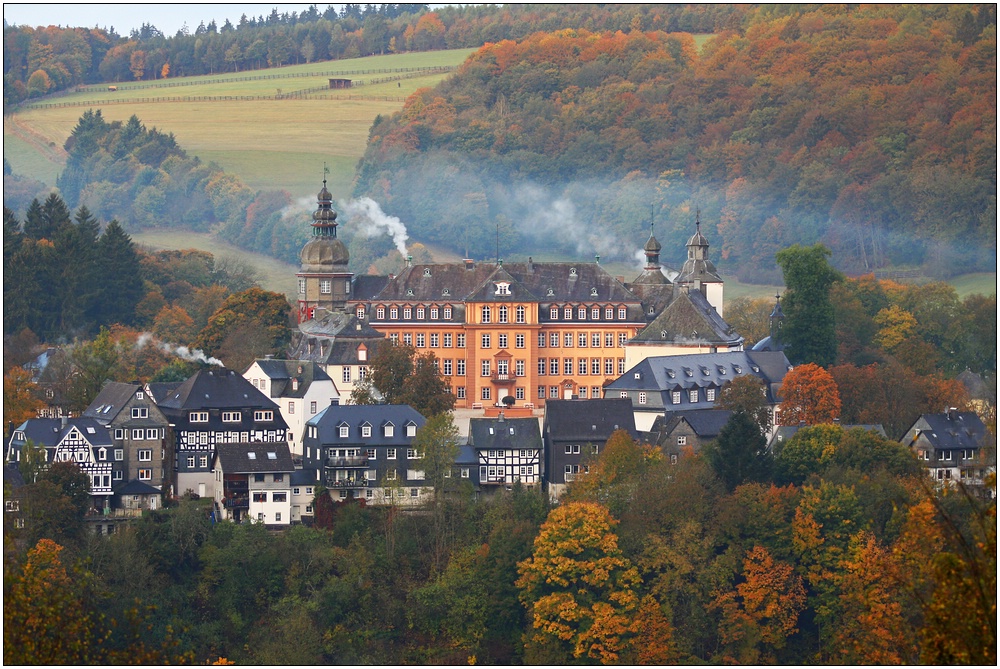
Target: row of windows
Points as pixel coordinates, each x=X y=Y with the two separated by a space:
x=325 y=286
x=501 y=473
x=581 y=392
x=581 y=313
x=231 y=416
x=523 y=453
x=344 y=431
x=140 y=433
x=502 y=314
x=581 y=338
x=312 y=405
x=582 y=365
x=280 y=497
x=675 y=396
x=574 y=449
x=946 y=456
x=444 y=313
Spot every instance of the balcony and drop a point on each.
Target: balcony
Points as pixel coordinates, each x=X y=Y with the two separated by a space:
x=502 y=379
x=237 y=502
x=343 y=484
x=357 y=461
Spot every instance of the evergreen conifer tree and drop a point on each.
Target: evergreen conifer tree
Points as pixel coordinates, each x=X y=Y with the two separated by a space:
x=809 y=332
x=121 y=277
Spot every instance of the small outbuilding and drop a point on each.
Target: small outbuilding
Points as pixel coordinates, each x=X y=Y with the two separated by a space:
x=340 y=83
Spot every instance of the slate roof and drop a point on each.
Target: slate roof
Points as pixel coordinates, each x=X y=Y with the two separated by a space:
x=281 y=373
x=666 y=373
x=49 y=432
x=584 y=420
x=509 y=433
x=467 y=456
x=302 y=477
x=706 y=423
x=952 y=430
x=367 y=286
x=161 y=390
x=328 y=423
x=332 y=338
x=561 y=282
x=216 y=388
x=111 y=400
x=688 y=319
x=254 y=458
x=135 y=487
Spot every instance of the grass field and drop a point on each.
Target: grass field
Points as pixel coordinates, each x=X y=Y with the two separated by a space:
x=269 y=143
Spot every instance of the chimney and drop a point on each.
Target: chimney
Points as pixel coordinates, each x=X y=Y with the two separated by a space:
x=531 y=266
x=952 y=413
x=62 y=421
x=269 y=356
x=597 y=259
x=469 y=263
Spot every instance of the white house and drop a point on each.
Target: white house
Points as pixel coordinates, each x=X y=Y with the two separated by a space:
x=253 y=482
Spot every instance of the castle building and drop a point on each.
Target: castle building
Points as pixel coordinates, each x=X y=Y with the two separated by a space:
x=530 y=331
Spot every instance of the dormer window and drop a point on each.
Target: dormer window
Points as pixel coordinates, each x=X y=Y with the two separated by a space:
x=446 y=292
x=394 y=313
x=447 y=310
x=198 y=417
x=411 y=429
x=263 y=416
x=554 y=313
x=345 y=431
x=230 y=416
x=581 y=313
x=434 y=313
x=362 y=353
x=427 y=271
x=407 y=311
x=388 y=430
x=409 y=292
x=366 y=430
x=420 y=313
x=360 y=313
x=572 y=271
x=593 y=292
x=503 y=288
x=295 y=385
x=139 y=395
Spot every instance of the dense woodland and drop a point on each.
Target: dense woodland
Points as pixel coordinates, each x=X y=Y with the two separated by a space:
x=871 y=129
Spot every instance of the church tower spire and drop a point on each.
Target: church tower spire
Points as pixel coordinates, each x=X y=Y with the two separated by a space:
x=323 y=279
x=698 y=272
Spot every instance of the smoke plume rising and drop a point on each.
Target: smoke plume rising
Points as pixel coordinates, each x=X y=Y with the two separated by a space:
x=182 y=352
x=372 y=221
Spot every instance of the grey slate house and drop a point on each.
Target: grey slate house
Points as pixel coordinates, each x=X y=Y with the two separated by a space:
x=508 y=451
x=673 y=383
x=366 y=452
x=682 y=430
x=952 y=446
x=216 y=406
x=574 y=433
x=253 y=482
x=139 y=430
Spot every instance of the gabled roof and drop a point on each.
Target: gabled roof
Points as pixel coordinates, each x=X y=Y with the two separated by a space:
x=586 y=420
x=506 y=433
x=254 y=458
x=467 y=455
x=488 y=290
x=954 y=429
x=48 y=432
x=706 y=423
x=282 y=372
x=216 y=388
x=135 y=487
x=333 y=337
x=161 y=390
x=111 y=400
x=688 y=319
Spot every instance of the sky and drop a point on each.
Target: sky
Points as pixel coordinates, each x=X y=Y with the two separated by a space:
x=168 y=18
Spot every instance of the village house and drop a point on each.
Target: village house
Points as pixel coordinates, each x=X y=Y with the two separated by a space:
x=952 y=446
x=253 y=483
x=682 y=431
x=508 y=450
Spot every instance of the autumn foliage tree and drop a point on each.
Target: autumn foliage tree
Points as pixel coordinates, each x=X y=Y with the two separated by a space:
x=810 y=395
x=579 y=588
x=20 y=399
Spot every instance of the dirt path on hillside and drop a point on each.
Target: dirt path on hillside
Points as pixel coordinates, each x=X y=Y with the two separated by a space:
x=42 y=144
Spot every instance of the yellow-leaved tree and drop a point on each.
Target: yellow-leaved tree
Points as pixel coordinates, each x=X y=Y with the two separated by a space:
x=579 y=588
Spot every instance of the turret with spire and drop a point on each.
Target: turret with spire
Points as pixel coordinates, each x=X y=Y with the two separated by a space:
x=323 y=279
x=698 y=272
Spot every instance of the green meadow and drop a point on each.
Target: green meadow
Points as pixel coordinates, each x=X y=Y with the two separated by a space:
x=270 y=142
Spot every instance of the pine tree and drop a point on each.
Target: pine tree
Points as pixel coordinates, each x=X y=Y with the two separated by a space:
x=739 y=453
x=809 y=331
x=120 y=273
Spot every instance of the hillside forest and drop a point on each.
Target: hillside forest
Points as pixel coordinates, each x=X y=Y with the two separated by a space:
x=870 y=129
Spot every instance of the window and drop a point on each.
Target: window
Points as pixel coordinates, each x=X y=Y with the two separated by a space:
x=366 y=430
x=435 y=339
x=145 y=474
x=325 y=286
x=203 y=461
x=568 y=366
x=710 y=394
x=119 y=433
x=263 y=416
x=447 y=341
x=581 y=365
x=414 y=492
x=519 y=313
x=554 y=392
x=346 y=374
x=582 y=338
x=485 y=315
x=642 y=398
x=621 y=365
x=502 y=313
x=581 y=313
x=675 y=397
x=595 y=366
x=277 y=516
x=140 y=412
x=553 y=339
x=485 y=393
x=302 y=286
x=412 y=454
x=434 y=313
x=460 y=368
x=554 y=366
x=420 y=313
x=446 y=364
x=595 y=313
x=460 y=340
x=411 y=430
x=279 y=496
x=622 y=338
x=231 y=416
x=682 y=441
x=541 y=366
x=198 y=417
x=152 y=433
x=568 y=313
x=519 y=393
x=380 y=313
x=360 y=312
x=420 y=340
x=145 y=455
x=278 y=478
x=485 y=367
x=572 y=449
x=407 y=313
x=394 y=313
x=190 y=462
x=502 y=341
x=583 y=392
x=485 y=341
x=595 y=339
x=345 y=431
x=519 y=367
x=446 y=313
x=119 y=454
x=568 y=339
x=408 y=339
x=259 y=478
x=460 y=392
x=138 y=434
x=693 y=396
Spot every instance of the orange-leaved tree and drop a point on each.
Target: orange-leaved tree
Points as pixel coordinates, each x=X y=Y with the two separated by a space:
x=19 y=399
x=809 y=394
x=579 y=588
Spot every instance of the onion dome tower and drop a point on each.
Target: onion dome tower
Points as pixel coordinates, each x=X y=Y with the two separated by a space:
x=698 y=272
x=323 y=279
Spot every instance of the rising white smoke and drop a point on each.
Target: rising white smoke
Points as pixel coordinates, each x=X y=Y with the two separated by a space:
x=372 y=221
x=182 y=352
